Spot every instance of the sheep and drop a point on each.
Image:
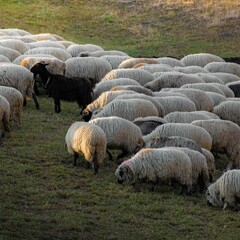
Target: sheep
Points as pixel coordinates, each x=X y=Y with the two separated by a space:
x=225 y=77
x=130 y=63
x=210 y=114
x=107 y=85
x=67 y=43
x=15 y=99
x=76 y=49
x=11 y=54
x=225 y=191
x=172 y=104
x=200 y=98
x=235 y=87
x=184 y=117
x=138 y=89
x=59 y=53
x=191 y=70
x=157 y=104
x=225 y=137
x=228 y=110
x=173 y=62
x=101 y=53
x=91 y=67
x=168 y=93
x=14 y=31
x=154 y=165
x=89 y=140
x=216 y=98
x=200 y=59
x=62 y=88
x=208 y=78
x=225 y=89
x=206 y=87
x=4 y=115
x=15 y=44
x=19 y=77
x=44 y=36
x=171 y=80
x=114 y=60
x=195 y=133
x=46 y=43
x=210 y=163
x=227 y=67
x=4 y=58
x=152 y=68
x=21 y=57
x=100 y=102
x=141 y=76
x=129 y=109
x=121 y=134
x=148 y=124
x=173 y=141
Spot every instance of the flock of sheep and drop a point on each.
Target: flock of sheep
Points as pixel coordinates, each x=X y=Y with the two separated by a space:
x=168 y=116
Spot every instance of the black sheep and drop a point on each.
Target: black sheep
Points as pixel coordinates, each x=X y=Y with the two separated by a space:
x=60 y=87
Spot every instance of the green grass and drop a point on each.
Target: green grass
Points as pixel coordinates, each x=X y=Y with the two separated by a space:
x=44 y=197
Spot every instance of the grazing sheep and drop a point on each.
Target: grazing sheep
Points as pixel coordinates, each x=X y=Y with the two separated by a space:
x=21 y=57
x=121 y=134
x=235 y=87
x=148 y=124
x=195 y=133
x=165 y=92
x=228 y=110
x=59 y=53
x=200 y=59
x=157 y=104
x=225 y=137
x=171 y=80
x=130 y=63
x=210 y=114
x=173 y=62
x=4 y=115
x=152 y=68
x=101 y=53
x=225 y=89
x=208 y=78
x=154 y=165
x=4 y=58
x=62 y=88
x=15 y=44
x=173 y=141
x=141 y=76
x=200 y=98
x=15 y=99
x=44 y=36
x=89 y=140
x=226 y=67
x=225 y=191
x=216 y=98
x=91 y=67
x=226 y=77
x=184 y=117
x=18 y=77
x=129 y=109
x=76 y=49
x=173 y=104
x=210 y=163
x=191 y=70
x=101 y=101
x=114 y=60
x=14 y=31
x=46 y=43
x=138 y=89
x=108 y=85
x=11 y=54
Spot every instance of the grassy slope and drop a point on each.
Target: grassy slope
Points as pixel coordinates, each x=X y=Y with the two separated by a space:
x=42 y=195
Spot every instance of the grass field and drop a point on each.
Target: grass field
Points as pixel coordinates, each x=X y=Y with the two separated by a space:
x=42 y=196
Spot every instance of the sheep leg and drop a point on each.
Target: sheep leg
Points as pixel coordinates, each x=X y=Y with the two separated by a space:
x=95 y=164
x=35 y=100
x=57 y=105
x=75 y=157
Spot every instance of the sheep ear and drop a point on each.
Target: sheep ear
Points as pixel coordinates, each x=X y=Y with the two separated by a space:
x=43 y=63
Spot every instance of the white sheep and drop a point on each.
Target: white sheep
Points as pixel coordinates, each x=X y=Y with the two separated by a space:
x=210 y=114
x=141 y=76
x=129 y=109
x=15 y=99
x=168 y=93
x=11 y=54
x=148 y=124
x=46 y=43
x=101 y=53
x=76 y=49
x=130 y=63
x=225 y=89
x=172 y=104
x=225 y=137
x=152 y=68
x=208 y=78
x=15 y=44
x=89 y=140
x=191 y=70
x=200 y=59
x=108 y=85
x=228 y=110
x=44 y=36
x=185 y=117
x=225 y=191
x=4 y=115
x=114 y=60
x=210 y=163
x=216 y=98
x=226 y=77
x=173 y=62
x=91 y=67
x=14 y=31
x=154 y=165
x=227 y=67
x=195 y=133
x=121 y=134
x=171 y=80
x=135 y=88
x=4 y=58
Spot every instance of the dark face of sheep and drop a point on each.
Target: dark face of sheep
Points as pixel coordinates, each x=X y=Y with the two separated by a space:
x=124 y=174
x=86 y=115
x=39 y=69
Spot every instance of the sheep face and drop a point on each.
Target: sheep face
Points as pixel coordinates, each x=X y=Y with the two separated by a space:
x=124 y=174
x=213 y=198
x=39 y=68
x=86 y=115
